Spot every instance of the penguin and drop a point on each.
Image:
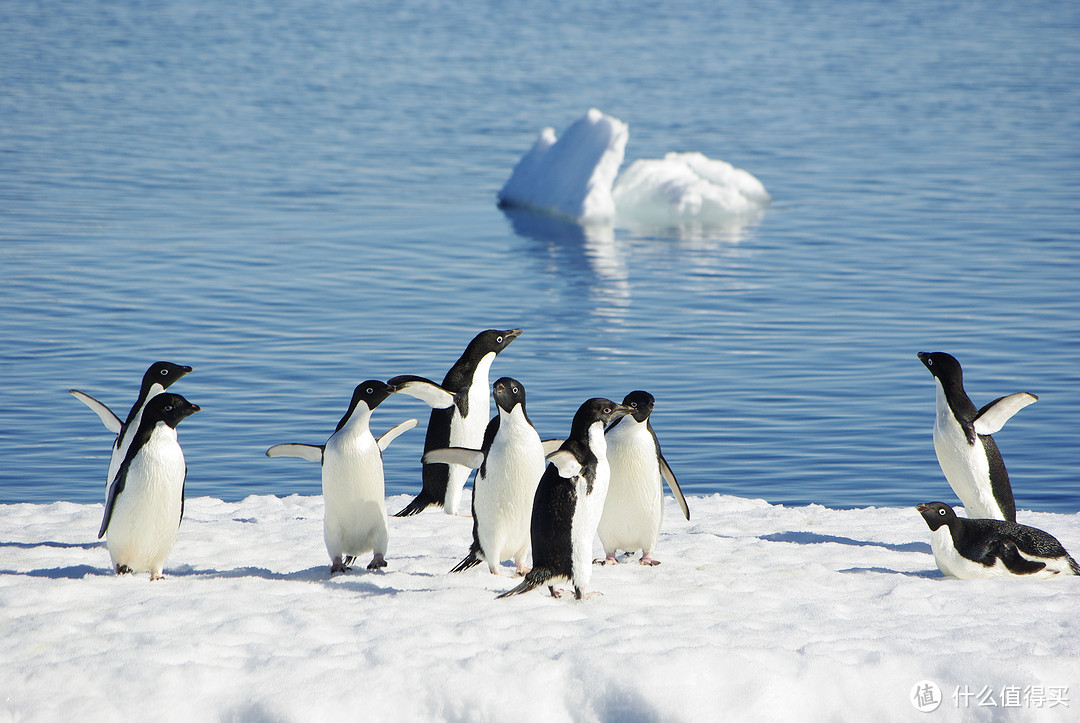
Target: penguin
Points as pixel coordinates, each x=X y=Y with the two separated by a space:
x=354 y=519
x=634 y=508
x=157 y=379
x=146 y=499
x=509 y=466
x=965 y=450
x=970 y=548
x=568 y=503
x=460 y=407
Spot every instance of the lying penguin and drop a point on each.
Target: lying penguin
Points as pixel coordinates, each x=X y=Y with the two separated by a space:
x=967 y=548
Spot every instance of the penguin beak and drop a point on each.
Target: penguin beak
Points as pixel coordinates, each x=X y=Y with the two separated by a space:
x=195 y=408
x=922 y=507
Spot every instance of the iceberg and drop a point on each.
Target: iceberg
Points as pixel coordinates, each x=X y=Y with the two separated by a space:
x=576 y=178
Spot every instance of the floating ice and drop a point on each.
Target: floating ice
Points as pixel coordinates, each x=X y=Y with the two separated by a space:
x=574 y=178
x=570 y=177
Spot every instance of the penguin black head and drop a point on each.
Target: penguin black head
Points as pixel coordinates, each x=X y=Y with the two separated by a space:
x=596 y=410
x=163 y=373
x=492 y=340
x=641 y=403
x=936 y=514
x=508 y=393
x=169 y=408
x=943 y=366
x=371 y=393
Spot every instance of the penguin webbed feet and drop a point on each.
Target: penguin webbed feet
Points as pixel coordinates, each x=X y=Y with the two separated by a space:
x=609 y=560
x=377 y=562
x=648 y=560
x=123 y=570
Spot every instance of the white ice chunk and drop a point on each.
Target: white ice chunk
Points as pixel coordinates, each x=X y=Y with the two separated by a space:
x=570 y=177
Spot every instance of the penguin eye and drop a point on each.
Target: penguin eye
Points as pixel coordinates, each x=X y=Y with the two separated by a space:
x=514 y=390
x=168 y=408
x=941 y=512
x=607 y=410
x=929 y=362
x=498 y=340
x=369 y=390
x=164 y=372
x=633 y=404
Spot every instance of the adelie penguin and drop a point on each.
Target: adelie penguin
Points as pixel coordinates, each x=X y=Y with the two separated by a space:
x=967 y=548
x=966 y=452
x=509 y=466
x=569 y=501
x=146 y=499
x=634 y=509
x=156 y=380
x=460 y=407
x=354 y=520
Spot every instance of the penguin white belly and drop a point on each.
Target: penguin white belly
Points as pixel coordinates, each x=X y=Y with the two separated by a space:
x=633 y=511
x=589 y=509
x=964 y=465
x=146 y=515
x=354 y=521
x=503 y=498
x=468 y=432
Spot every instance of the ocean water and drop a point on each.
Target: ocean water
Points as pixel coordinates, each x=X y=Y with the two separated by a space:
x=295 y=197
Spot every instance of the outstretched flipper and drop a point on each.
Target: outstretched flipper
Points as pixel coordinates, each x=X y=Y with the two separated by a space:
x=673 y=485
x=471 y=458
x=311 y=452
x=394 y=432
x=551 y=445
x=108 y=417
x=423 y=389
x=993 y=416
x=534 y=579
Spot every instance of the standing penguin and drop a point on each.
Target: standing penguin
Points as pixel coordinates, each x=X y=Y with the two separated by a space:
x=157 y=379
x=569 y=501
x=967 y=548
x=510 y=462
x=146 y=499
x=460 y=407
x=634 y=509
x=966 y=452
x=354 y=520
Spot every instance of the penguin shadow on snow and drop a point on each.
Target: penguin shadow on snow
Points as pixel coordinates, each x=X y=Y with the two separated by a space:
x=356 y=580
x=813 y=538
x=75 y=572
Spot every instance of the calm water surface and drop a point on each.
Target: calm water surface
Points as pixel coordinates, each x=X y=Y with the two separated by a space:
x=293 y=198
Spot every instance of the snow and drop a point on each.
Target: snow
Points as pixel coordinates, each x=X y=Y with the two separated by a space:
x=758 y=612
x=576 y=178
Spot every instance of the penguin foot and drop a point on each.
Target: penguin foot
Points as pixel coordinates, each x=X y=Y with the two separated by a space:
x=338 y=566
x=609 y=560
x=377 y=561
x=156 y=576
x=123 y=570
x=648 y=561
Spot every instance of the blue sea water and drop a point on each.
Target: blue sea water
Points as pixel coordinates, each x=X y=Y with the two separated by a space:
x=293 y=197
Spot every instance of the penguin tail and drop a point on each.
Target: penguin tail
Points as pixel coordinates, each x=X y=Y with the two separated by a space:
x=536 y=577
x=1072 y=565
x=472 y=560
x=420 y=503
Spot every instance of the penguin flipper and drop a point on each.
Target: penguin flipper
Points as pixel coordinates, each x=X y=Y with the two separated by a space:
x=551 y=445
x=309 y=452
x=115 y=489
x=471 y=458
x=394 y=432
x=108 y=417
x=673 y=485
x=568 y=465
x=423 y=389
x=1017 y=564
x=993 y=416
